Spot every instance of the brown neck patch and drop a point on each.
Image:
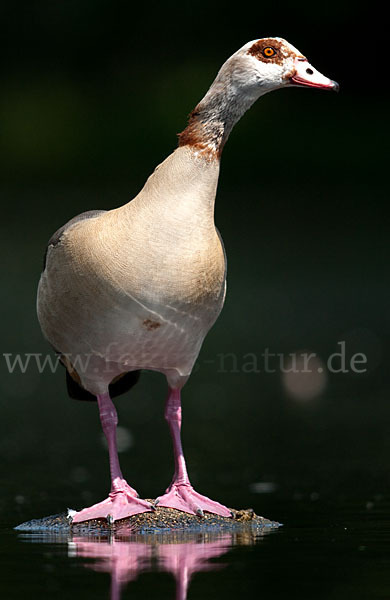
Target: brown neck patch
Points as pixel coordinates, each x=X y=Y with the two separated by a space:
x=194 y=136
x=282 y=51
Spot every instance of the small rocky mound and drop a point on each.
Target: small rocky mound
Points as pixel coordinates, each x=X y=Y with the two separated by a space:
x=160 y=520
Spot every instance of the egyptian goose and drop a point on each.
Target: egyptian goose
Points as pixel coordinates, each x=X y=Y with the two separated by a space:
x=139 y=287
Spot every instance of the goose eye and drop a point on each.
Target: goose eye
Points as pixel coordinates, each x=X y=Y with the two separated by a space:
x=268 y=52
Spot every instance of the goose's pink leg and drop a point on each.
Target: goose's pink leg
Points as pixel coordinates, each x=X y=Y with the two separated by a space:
x=180 y=493
x=123 y=500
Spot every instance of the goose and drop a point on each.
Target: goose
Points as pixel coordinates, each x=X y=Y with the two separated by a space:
x=138 y=287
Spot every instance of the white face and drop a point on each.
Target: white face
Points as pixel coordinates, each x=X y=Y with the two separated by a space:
x=271 y=63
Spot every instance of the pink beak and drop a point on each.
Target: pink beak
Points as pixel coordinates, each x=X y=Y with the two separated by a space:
x=307 y=76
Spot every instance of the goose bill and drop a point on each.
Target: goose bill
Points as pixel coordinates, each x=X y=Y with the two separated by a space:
x=307 y=76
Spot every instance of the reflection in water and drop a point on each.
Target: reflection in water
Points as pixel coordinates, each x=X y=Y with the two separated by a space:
x=126 y=560
x=126 y=556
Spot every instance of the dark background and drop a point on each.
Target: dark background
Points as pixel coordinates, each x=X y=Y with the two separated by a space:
x=92 y=95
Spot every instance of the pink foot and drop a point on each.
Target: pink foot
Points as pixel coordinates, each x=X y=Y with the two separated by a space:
x=122 y=502
x=185 y=498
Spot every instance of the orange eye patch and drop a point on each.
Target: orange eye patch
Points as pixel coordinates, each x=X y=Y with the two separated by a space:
x=268 y=52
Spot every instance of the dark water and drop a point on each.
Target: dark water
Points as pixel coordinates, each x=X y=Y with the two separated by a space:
x=324 y=550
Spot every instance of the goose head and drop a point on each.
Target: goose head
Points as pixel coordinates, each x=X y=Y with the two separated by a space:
x=257 y=68
x=267 y=64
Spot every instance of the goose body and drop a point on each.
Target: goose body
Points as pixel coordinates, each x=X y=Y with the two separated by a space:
x=139 y=287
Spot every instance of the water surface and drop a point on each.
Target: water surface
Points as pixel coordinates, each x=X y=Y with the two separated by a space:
x=325 y=550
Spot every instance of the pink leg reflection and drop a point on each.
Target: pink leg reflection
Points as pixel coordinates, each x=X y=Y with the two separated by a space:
x=187 y=559
x=126 y=560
